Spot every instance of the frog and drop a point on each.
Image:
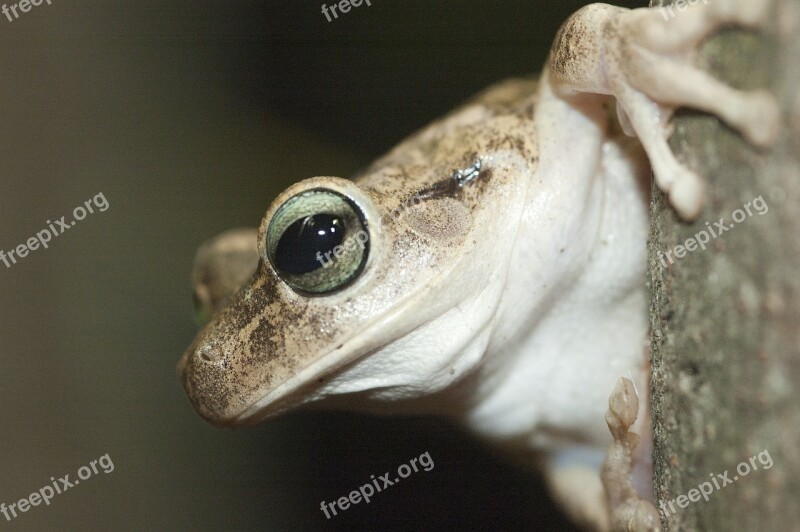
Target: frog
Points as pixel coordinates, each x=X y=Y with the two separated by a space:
x=490 y=269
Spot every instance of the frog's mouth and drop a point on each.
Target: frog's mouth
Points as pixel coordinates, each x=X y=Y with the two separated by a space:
x=232 y=380
x=303 y=387
x=231 y=383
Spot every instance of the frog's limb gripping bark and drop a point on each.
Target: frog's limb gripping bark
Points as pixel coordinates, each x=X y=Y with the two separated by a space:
x=644 y=60
x=609 y=492
x=627 y=511
x=222 y=266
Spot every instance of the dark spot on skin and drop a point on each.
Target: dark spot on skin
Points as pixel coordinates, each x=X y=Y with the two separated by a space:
x=512 y=142
x=448 y=187
x=484 y=180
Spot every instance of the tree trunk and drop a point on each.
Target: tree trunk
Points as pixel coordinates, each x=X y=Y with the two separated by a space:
x=725 y=334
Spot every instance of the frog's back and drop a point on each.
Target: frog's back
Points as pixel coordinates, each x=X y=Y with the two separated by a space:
x=510 y=96
x=502 y=114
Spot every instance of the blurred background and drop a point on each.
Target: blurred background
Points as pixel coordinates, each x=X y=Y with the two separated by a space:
x=190 y=117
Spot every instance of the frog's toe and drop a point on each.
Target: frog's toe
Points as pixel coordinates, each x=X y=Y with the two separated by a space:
x=623 y=405
x=686 y=195
x=760 y=121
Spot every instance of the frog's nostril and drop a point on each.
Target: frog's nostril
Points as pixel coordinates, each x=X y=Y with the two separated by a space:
x=209 y=353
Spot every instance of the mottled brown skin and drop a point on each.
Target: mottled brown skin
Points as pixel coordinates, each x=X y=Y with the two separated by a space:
x=574 y=58
x=268 y=334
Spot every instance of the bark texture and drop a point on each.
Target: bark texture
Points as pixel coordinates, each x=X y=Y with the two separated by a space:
x=725 y=320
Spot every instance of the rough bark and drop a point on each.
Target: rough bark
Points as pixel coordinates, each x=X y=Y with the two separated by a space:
x=725 y=334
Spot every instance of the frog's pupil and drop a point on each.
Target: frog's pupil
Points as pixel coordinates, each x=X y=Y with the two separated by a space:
x=303 y=245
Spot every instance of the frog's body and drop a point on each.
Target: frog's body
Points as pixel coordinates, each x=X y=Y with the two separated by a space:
x=509 y=296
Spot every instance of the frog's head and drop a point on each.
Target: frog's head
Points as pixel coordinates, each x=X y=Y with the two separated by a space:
x=379 y=289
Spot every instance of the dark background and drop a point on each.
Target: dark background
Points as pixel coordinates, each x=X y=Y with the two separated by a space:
x=190 y=117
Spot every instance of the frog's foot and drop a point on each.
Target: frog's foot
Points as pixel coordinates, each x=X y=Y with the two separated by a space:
x=222 y=266
x=627 y=511
x=643 y=57
x=652 y=75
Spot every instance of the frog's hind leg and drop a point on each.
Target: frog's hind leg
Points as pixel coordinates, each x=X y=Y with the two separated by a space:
x=611 y=490
x=627 y=510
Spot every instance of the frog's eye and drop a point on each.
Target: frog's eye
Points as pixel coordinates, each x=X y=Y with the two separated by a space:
x=317 y=242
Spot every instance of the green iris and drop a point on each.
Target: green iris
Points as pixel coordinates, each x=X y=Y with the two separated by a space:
x=318 y=242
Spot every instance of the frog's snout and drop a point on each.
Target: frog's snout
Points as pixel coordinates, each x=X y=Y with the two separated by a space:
x=208 y=381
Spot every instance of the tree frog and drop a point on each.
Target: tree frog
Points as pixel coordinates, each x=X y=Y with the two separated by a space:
x=490 y=268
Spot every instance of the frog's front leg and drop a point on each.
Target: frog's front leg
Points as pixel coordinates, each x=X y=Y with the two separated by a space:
x=644 y=60
x=222 y=265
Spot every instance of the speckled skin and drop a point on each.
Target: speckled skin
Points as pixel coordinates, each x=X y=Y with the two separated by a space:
x=270 y=337
x=514 y=303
